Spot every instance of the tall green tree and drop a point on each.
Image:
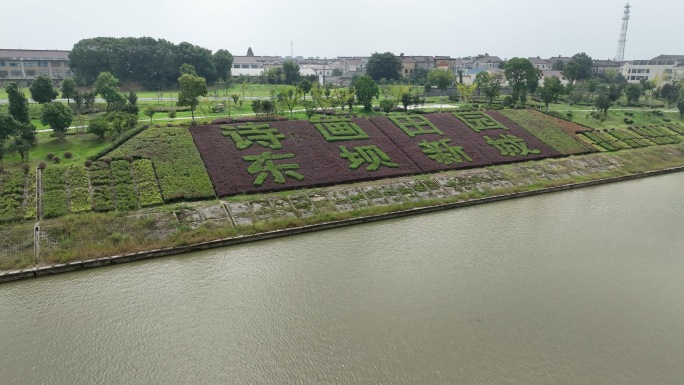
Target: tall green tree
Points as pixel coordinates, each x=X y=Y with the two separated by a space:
x=18 y=104
x=550 y=91
x=223 y=62
x=305 y=86
x=489 y=84
x=192 y=87
x=384 y=66
x=523 y=77
x=585 y=65
x=571 y=72
x=58 y=117
x=42 y=90
x=633 y=92
x=603 y=103
x=250 y=52
x=107 y=86
x=291 y=72
x=8 y=127
x=680 y=106
x=69 y=89
x=441 y=79
x=24 y=140
x=366 y=90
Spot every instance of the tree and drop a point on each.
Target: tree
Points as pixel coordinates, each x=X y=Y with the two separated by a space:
x=387 y=105
x=318 y=95
x=192 y=87
x=290 y=96
x=186 y=68
x=98 y=127
x=584 y=65
x=522 y=77
x=291 y=72
x=571 y=72
x=58 y=117
x=633 y=92
x=465 y=91
x=558 y=65
x=69 y=89
x=250 y=52
x=550 y=91
x=107 y=86
x=42 y=90
x=366 y=90
x=384 y=66
x=223 y=61
x=18 y=104
x=24 y=140
x=351 y=98
x=305 y=86
x=670 y=92
x=406 y=100
x=8 y=127
x=602 y=104
x=149 y=111
x=680 y=106
x=489 y=85
x=441 y=79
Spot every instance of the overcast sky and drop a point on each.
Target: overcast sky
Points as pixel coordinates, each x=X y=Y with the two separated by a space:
x=505 y=28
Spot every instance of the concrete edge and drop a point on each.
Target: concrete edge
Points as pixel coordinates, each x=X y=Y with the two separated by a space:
x=35 y=272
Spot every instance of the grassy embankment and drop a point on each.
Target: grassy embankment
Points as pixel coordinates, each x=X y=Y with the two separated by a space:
x=93 y=235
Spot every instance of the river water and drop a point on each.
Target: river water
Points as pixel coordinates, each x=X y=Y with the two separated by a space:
x=578 y=287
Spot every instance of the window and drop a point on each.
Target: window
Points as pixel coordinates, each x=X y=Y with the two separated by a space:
x=15 y=64
x=55 y=64
x=253 y=66
x=44 y=72
x=2 y=64
x=3 y=74
x=236 y=66
x=30 y=72
x=42 y=64
x=29 y=64
x=57 y=73
x=245 y=66
x=15 y=73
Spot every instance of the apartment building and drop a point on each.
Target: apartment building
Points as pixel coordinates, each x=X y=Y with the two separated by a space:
x=24 y=65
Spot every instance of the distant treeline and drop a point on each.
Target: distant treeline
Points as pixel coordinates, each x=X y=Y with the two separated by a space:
x=153 y=63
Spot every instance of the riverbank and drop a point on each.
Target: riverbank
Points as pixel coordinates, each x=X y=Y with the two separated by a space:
x=89 y=240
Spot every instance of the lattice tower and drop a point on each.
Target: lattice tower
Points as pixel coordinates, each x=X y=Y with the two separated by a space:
x=620 y=55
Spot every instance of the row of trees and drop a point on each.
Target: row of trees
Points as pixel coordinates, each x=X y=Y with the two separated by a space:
x=153 y=63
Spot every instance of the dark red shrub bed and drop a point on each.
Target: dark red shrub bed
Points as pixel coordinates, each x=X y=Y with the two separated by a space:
x=244 y=158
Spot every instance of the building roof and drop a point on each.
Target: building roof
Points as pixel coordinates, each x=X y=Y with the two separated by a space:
x=33 y=54
x=671 y=57
x=655 y=62
x=538 y=60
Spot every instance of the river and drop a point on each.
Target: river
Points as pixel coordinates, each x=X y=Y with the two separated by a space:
x=579 y=287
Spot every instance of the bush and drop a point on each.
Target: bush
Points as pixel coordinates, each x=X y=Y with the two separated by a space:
x=68 y=155
x=88 y=163
x=42 y=165
x=569 y=114
x=25 y=167
x=107 y=159
x=50 y=155
x=55 y=159
x=667 y=120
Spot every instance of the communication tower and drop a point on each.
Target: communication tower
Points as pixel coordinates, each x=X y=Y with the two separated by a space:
x=620 y=55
